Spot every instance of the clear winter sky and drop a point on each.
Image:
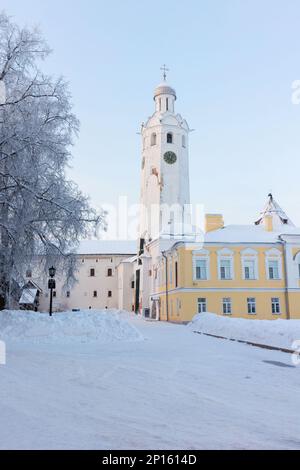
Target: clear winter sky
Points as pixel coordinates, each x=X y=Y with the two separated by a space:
x=232 y=63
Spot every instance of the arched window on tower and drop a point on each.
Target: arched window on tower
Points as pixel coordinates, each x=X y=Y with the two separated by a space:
x=183 y=141
x=169 y=138
x=153 y=139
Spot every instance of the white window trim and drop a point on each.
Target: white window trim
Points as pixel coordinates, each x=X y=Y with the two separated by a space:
x=222 y=303
x=201 y=255
x=244 y=261
x=226 y=254
x=297 y=265
x=202 y=303
x=252 y=313
x=274 y=255
x=279 y=302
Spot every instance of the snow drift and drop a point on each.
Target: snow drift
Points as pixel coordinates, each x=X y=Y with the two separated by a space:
x=104 y=326
x=277 y=333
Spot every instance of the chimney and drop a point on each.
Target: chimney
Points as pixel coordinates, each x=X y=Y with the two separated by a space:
x=213 y=222
x=268 y=223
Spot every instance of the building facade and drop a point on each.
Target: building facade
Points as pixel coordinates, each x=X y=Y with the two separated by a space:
x=174 y=270
x=250 y=271
x=98 y=283
x=241 y=271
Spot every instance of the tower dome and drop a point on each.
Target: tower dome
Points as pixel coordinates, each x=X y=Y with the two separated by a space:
x=164 y=89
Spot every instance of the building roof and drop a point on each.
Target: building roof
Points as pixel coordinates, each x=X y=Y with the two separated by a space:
x=248 y=234
x=107 y=247
x=28 y=296
x=273 y=209
x=164 y=89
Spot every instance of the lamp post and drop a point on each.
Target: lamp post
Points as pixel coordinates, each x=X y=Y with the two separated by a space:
x=51 y=286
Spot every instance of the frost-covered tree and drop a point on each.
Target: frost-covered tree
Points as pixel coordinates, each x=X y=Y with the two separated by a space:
x=41 y=211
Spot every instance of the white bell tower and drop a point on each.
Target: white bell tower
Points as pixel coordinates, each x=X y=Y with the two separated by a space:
x=165 y=192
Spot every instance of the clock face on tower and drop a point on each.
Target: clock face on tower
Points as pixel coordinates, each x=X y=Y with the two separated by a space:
x=170 y=157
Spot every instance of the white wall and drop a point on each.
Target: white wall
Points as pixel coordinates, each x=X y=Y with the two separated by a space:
x=81 y=295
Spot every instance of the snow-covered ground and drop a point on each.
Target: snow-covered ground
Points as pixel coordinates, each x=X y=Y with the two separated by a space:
x=278 y=333
x=175 y=389
x=67 y=327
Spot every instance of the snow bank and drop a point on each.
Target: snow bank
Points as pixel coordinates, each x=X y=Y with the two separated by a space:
x=103 y=326
x=278 y=333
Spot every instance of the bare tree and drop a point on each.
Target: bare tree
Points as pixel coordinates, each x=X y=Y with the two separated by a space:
x=41 y=211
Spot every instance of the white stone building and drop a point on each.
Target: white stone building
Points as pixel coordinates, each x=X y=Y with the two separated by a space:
x=98 y=284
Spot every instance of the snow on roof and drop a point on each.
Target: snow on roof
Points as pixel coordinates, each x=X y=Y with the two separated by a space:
x=28 y=297
x=248 y=234
x=107 y=247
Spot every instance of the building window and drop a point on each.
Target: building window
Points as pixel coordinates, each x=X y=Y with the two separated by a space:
x=176 y=274
x=183 y=141
x=68 y=294
x=201 y=269
x=251 y=302
x=276 y=310
x=225 y=269
x=249 y=269
x=109 y=272
x=299 y=271
x=227 y=310
x=54 y=293
x=160 y=104
x=132 y=284
x=92 y=272
x=169 y=138
x=28 y=273
x=95 y=294
x=201 y=305
x=167 y=104
x=273 y=267
x=82 y=260
x=109 y=294
x=153 y=139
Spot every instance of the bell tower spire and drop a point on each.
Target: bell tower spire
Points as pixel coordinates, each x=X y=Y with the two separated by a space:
x=165 y=193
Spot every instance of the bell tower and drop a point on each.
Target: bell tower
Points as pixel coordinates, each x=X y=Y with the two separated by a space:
x=165 y=192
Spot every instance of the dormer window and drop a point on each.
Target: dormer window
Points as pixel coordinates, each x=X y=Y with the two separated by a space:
x=153 y=139
x=169 y=138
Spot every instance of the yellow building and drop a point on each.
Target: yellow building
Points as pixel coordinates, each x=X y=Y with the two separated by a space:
x=250 y=271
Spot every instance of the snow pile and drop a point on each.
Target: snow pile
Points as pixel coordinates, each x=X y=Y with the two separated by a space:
x=278 y=333
x=103 y=326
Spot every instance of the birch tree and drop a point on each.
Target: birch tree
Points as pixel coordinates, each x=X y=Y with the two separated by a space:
x=41 y=211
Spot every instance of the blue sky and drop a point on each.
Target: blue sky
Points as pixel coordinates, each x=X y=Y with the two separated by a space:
x=232 y=63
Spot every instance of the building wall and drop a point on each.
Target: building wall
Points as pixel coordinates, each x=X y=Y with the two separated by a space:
x=126 y=290
x=183 y=298
x=82 y=294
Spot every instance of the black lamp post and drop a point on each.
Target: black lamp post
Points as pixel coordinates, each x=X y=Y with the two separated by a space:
x=51 y=286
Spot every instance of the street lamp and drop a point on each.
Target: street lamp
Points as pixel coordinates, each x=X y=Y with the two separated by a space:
x=51 y=286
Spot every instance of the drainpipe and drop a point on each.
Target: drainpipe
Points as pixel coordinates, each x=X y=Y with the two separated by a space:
x=167 y=282
x=286 y=279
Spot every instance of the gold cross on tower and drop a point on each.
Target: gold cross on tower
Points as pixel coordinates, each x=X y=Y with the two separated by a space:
x=165 y=70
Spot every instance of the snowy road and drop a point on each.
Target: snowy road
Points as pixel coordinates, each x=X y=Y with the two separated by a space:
x=176 y=389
